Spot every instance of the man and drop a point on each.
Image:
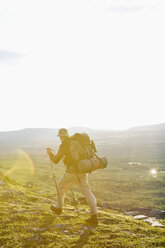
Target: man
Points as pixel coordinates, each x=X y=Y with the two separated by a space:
x=71 y=177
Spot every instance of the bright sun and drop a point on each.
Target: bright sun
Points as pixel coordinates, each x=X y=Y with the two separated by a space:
x=153 y=172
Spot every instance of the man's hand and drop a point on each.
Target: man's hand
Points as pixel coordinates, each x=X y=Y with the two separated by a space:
x=49 y=151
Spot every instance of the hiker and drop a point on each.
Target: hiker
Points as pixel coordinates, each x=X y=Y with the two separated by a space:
x=71 y=177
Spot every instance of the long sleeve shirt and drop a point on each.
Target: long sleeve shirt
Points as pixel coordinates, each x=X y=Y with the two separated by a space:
x=63 y=153
x=56 y=158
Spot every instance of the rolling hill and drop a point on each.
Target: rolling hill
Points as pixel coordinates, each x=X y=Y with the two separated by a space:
x=144 y=141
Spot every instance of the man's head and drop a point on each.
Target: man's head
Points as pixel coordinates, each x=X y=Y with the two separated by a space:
x=63 y=133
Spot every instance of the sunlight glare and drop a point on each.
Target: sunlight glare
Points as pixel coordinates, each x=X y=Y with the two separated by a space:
x=153 y=172
x=23 y=162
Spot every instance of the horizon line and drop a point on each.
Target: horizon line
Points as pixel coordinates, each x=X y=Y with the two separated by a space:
x=81 y=127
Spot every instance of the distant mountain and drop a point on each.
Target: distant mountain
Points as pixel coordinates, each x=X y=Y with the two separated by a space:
x=30 y=138
x=158 y=127
x=144 y=141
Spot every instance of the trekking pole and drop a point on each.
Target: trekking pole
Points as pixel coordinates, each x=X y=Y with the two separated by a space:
x=75 y=203
x=58 y=194
x=58 y=190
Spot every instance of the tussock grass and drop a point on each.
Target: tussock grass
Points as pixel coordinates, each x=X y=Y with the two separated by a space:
x=26 y=221
x=26 y=195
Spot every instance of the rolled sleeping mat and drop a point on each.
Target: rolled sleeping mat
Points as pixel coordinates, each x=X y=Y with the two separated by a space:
x=91 y=164
x=104 y=162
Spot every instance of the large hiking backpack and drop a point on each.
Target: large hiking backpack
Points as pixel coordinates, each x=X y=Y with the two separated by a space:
x=80 y=147
x=83 y=153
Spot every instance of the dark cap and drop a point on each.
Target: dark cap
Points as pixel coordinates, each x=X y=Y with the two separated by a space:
x=63 y=132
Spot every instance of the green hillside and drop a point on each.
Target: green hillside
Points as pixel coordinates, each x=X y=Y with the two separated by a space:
x=26 y=221
x=123 y=185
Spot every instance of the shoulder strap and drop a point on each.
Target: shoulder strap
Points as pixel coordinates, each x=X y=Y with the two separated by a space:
x=95 y=154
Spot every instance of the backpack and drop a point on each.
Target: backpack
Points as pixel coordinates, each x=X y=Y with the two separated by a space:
x=83 y=152
x=80 y=146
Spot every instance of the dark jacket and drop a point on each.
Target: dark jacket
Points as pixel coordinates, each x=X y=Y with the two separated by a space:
x=63 y=153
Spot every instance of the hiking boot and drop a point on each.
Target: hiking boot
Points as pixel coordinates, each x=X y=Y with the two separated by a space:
x=92 y=220
x=57 y=211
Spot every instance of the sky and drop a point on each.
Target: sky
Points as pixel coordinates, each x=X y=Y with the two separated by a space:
x=96 y=63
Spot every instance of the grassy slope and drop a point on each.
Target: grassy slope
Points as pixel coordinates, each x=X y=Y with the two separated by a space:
x=121 y=185
x=26 y=221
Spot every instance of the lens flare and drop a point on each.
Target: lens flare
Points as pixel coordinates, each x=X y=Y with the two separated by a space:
x=153 y=172
x=23 y=163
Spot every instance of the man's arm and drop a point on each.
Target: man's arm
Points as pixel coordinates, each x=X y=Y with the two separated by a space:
x=55 y=158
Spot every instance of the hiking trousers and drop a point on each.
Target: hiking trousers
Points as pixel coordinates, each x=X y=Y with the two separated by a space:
x=81 y=179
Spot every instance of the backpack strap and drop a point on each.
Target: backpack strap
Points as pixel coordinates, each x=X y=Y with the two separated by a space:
x=94 y=154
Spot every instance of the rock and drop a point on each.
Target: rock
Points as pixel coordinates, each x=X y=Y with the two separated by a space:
x=140 y=217
x=144 y=211
x=157 y=213
x=148 y=212
x=154 y=222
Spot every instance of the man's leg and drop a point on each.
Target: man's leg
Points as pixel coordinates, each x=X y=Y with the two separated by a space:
x=85 y=189
x=64 y=184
